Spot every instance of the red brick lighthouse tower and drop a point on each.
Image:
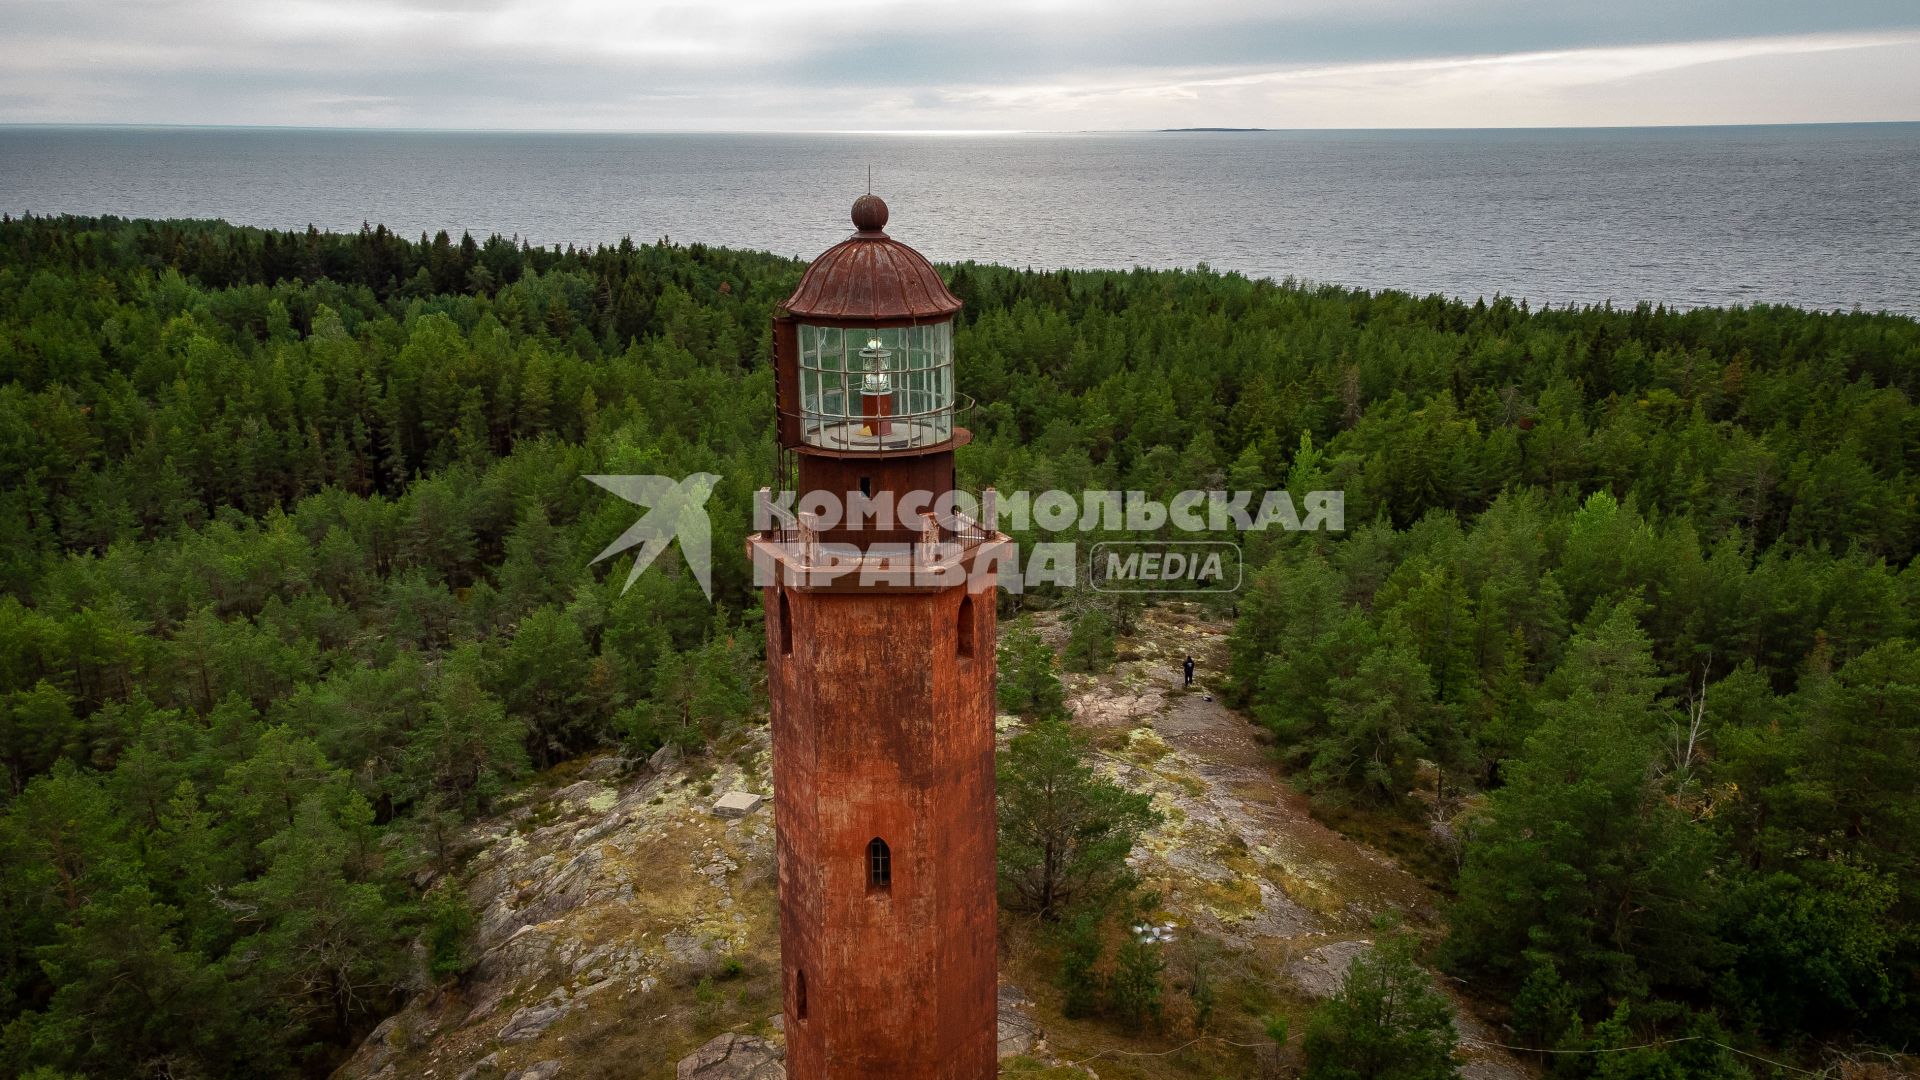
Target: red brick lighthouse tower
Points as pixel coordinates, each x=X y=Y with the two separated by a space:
x=880 y=671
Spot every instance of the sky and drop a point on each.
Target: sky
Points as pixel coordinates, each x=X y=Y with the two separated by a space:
x=881 y=65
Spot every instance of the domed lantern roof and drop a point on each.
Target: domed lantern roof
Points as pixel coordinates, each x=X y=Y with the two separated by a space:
x=863 y=354
x=871 y=277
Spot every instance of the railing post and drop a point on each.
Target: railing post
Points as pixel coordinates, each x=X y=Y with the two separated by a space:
x=990 y=511
x=929 y=537
x=809 y=539
x=778 y=519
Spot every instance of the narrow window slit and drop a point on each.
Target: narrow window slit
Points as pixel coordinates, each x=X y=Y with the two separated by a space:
x=963 y=641
x=786 y=625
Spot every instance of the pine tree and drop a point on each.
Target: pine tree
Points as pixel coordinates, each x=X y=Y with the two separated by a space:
x=468 y=749
x=1386 y=1023
x=542 y=675
x=1028 y=686
x=1065 y=832
x=1090 y=645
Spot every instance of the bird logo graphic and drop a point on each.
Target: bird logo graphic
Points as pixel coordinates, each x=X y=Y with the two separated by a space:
x=676 y=511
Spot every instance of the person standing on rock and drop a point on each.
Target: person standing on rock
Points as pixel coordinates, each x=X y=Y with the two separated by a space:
x=1189 y=670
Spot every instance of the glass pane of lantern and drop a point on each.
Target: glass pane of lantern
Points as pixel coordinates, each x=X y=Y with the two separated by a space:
x=914 y=364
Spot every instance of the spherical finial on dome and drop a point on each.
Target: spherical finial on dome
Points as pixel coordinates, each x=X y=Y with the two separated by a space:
x=869 y=213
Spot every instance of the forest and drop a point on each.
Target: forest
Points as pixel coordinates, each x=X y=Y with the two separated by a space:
x=1619 y=643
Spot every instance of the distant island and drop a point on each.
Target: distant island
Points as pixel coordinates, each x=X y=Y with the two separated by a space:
x=1214 y=129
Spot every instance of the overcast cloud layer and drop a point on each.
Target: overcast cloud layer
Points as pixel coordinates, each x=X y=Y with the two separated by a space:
x=980 y=65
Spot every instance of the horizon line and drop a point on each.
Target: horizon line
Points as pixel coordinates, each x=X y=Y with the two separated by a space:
x=943 y=132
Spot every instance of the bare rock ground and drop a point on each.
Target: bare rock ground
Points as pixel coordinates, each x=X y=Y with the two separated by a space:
x=733 y=1056
x=601 y=907
x=625 y=930
x=1239 y=856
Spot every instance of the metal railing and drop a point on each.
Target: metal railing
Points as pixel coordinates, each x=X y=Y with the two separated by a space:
x=921 y=430
x=786 y=462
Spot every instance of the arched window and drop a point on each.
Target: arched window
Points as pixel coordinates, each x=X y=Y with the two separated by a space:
x=800 y=994
x=786 y=625
x=879 y=865
x=964 y=639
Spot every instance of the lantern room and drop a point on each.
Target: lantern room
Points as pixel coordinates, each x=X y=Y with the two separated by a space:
x=864 y=353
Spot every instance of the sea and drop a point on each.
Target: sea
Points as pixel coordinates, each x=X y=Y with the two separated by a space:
x=1817 y=216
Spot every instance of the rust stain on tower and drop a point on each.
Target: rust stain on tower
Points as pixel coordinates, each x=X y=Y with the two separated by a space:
x=881 y=683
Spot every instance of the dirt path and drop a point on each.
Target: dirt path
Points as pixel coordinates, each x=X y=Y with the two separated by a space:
x=1240 y=857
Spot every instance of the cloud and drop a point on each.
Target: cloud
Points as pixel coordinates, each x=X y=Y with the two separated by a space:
x=989 y=64
x=1702 y=82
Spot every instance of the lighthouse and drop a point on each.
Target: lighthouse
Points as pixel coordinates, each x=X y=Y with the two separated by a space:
x=879 y=603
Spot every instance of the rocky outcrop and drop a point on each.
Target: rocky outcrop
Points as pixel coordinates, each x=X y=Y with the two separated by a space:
x=1319 y=972
x=616 y=918
x=734 y=1056
x=1020 y=1033
x=626 y=930
x=1239 y=860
